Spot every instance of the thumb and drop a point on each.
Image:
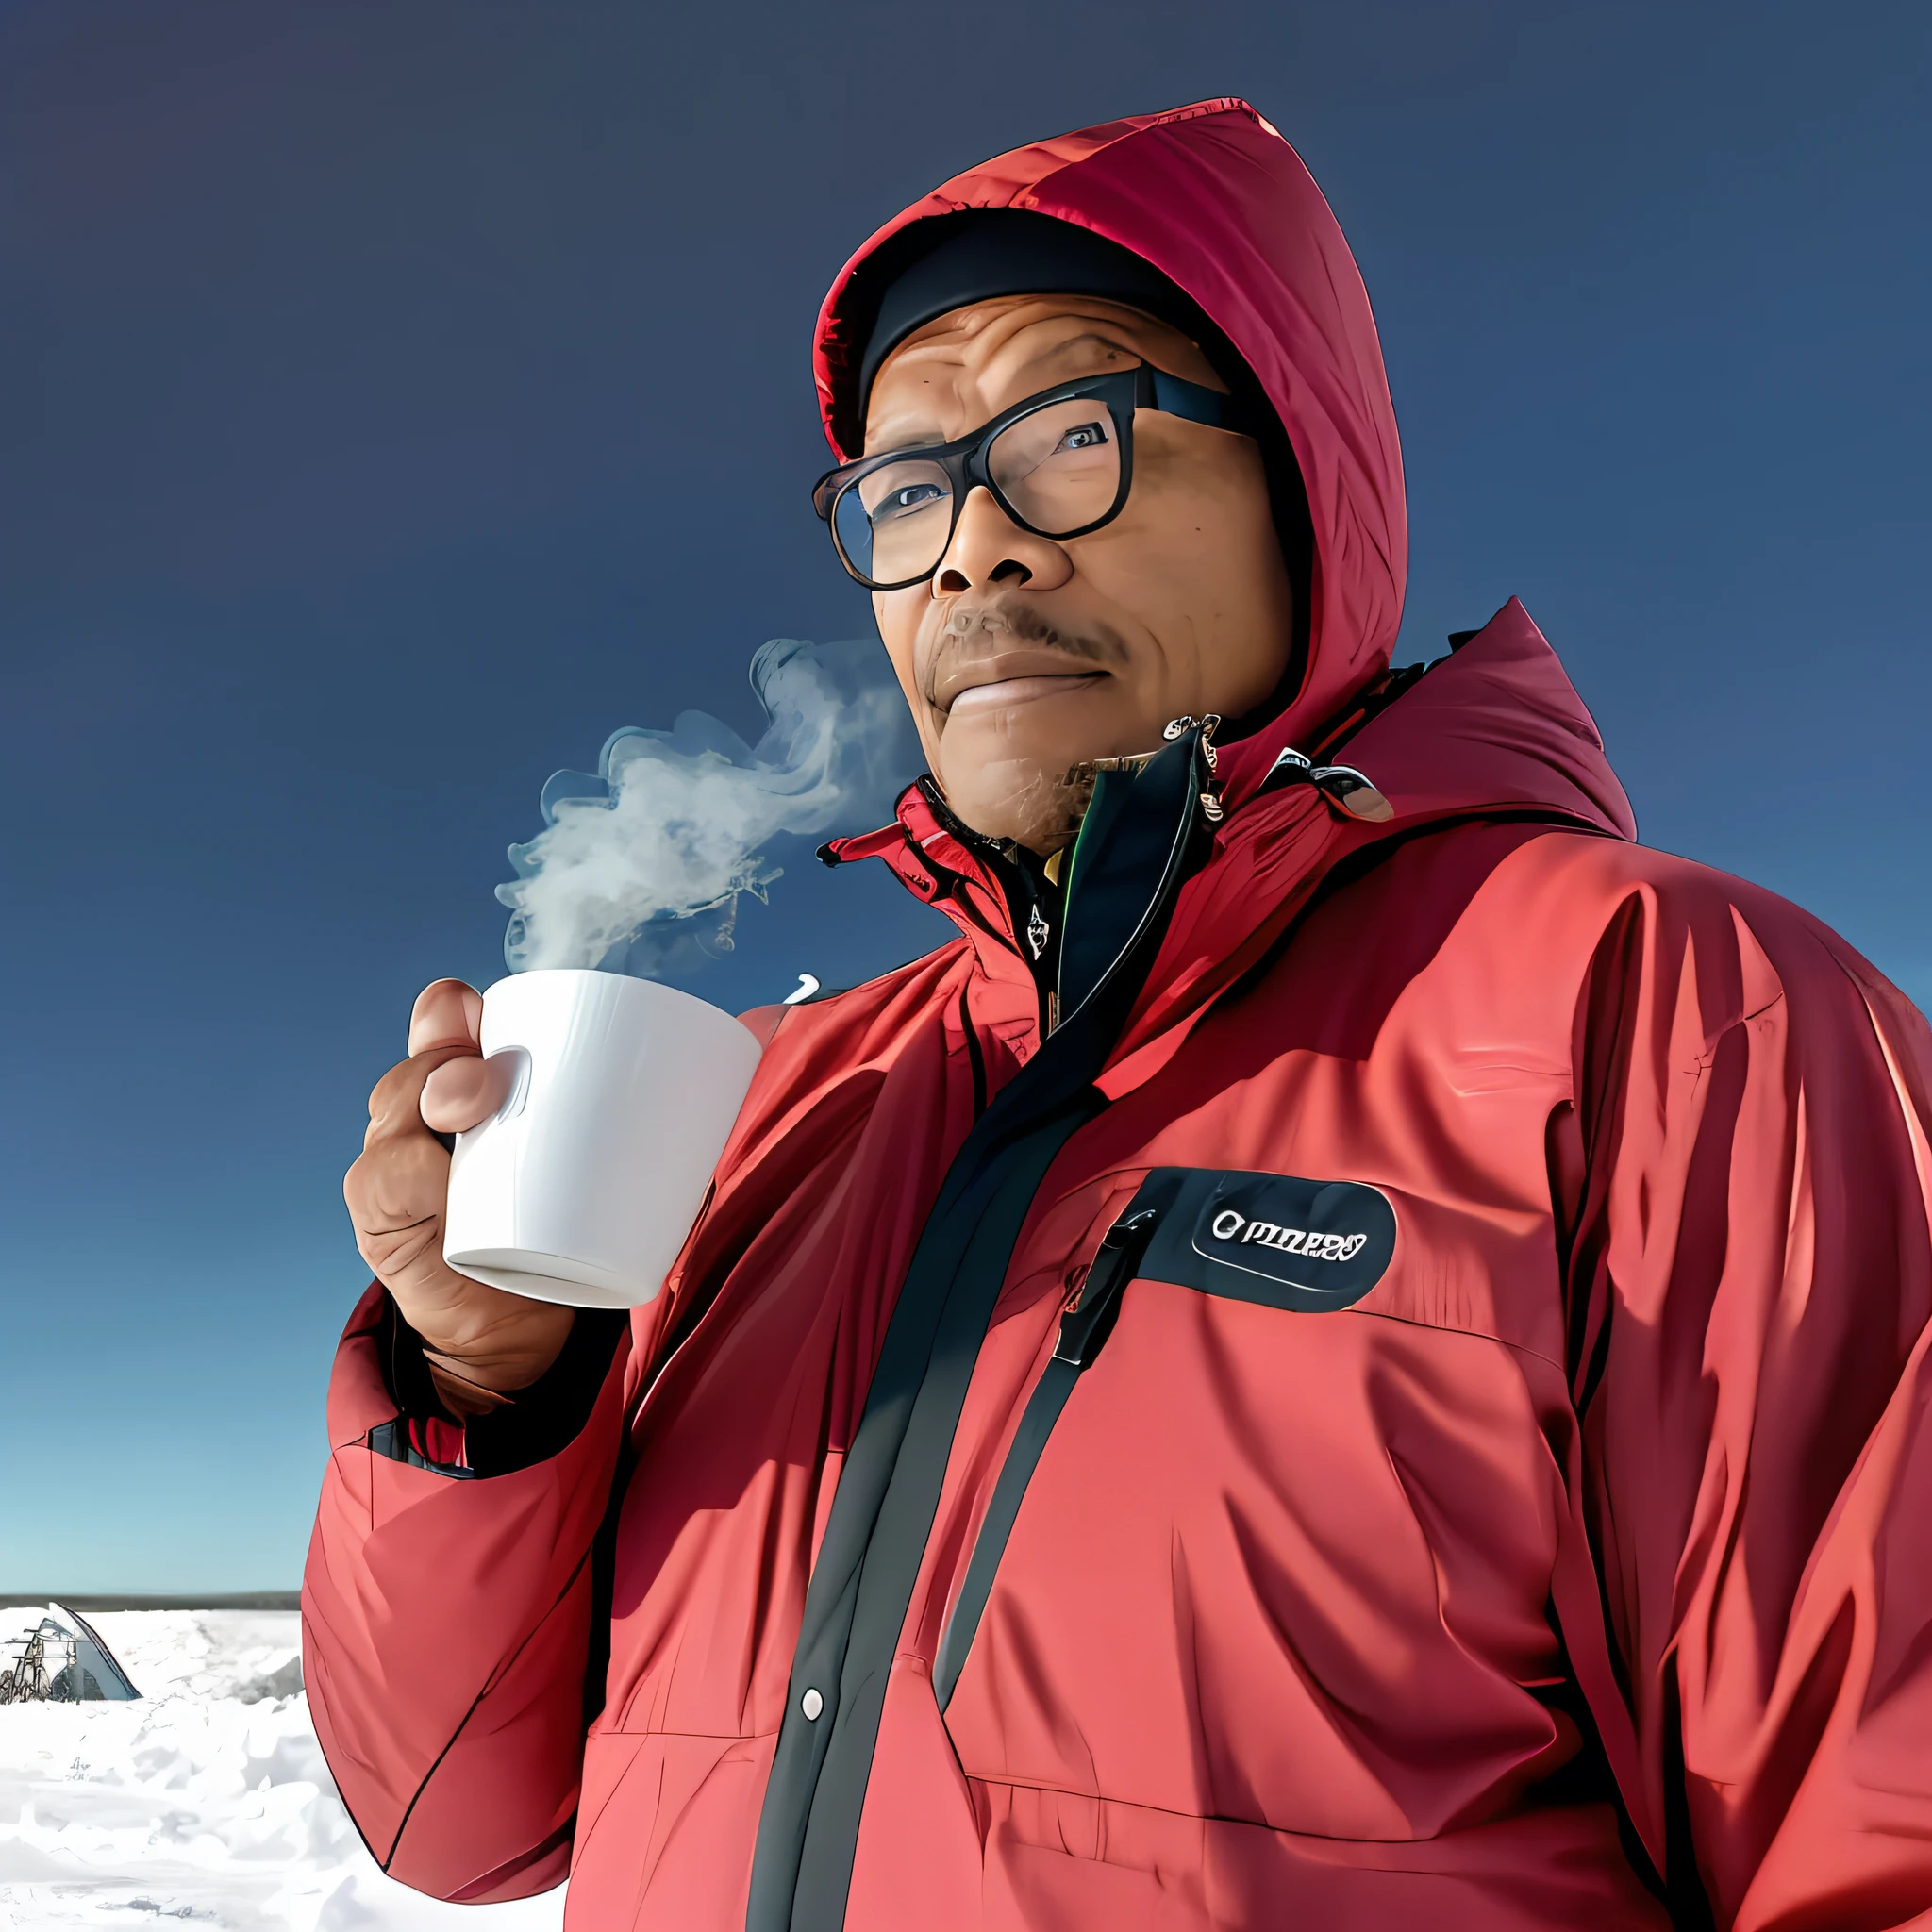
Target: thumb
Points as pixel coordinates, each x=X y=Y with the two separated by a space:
x=464 y=1091
x=448 y=1012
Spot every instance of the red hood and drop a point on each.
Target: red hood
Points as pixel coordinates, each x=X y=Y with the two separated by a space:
x=1218 y=201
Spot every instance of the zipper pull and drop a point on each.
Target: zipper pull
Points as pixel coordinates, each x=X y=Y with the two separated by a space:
x=1085 y=1325
x=1037 y=933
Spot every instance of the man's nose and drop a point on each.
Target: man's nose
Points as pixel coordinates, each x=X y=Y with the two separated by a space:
x=988 y=548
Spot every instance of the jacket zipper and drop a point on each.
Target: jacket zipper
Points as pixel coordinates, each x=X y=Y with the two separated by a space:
x=1090 y=1316
x=1086 y=1323
x=868 y=1563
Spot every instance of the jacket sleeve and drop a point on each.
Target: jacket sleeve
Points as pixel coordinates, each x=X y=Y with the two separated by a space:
x=446 y=1627
x=1746 y=1184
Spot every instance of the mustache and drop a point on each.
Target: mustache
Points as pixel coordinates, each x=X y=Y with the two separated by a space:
x=981 y=630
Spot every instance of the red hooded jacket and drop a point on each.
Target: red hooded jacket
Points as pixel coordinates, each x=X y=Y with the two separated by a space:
x=1409 y=1406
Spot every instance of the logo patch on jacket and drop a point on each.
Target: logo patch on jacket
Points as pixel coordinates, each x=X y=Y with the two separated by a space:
x=1309 y=1246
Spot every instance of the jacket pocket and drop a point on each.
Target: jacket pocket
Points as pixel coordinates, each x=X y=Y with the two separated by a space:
x=1310 y=1247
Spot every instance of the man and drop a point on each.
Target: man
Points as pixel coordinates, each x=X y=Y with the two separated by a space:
x=1350 y=1355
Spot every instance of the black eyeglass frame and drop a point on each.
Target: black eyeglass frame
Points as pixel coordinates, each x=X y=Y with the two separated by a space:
x=964 y=461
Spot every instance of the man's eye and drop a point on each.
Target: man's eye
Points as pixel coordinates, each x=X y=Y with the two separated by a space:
x=906 y=500
x=1087 y=436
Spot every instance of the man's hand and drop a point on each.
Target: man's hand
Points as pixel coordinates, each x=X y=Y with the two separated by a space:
x=481 y=1341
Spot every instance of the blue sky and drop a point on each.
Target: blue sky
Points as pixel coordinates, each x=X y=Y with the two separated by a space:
x=393 y=401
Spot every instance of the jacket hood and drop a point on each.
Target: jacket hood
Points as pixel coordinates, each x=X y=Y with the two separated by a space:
x=1213 y=197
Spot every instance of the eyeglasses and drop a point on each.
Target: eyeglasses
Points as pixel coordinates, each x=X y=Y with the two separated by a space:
x=1060 y=464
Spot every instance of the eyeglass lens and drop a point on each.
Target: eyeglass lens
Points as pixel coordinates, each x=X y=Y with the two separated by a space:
x=1058 y=468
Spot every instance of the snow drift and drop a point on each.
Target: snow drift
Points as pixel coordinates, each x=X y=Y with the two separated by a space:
x=207 y=1802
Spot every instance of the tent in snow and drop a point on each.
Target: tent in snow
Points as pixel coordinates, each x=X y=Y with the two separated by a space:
x=64 y=1661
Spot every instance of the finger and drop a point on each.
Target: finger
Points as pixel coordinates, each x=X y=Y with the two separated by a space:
x=463 y=1090
x=395 y=1100
x=396 y=1194
x=448 y=1012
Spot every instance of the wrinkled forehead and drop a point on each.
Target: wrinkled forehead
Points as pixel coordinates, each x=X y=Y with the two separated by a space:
x=965 y=366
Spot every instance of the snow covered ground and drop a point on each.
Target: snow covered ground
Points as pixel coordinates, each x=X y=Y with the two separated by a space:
x=205 y=1803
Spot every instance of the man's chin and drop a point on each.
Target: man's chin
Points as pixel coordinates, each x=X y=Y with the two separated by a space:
x=1038 y=803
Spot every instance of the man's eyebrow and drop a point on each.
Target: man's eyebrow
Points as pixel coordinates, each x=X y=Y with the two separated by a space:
x=1099 y=333
x=915 y=435
x=1092 y=335
x=1095 y=330
x=928 y=436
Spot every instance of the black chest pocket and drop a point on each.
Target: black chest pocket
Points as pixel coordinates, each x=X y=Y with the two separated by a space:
x=1308 y=1246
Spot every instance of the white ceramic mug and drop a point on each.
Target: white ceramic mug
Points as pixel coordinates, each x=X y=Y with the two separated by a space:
x=583 y=1184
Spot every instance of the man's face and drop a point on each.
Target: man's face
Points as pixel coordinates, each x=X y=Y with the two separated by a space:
x=1026 y=655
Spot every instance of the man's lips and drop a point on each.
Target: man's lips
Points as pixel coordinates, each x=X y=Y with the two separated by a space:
x=993 y=680
x=1020 y=691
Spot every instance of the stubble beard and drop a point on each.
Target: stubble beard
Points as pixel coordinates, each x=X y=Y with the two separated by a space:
x=1044 y=801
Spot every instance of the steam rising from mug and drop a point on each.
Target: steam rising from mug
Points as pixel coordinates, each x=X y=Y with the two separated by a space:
x=671 y=825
